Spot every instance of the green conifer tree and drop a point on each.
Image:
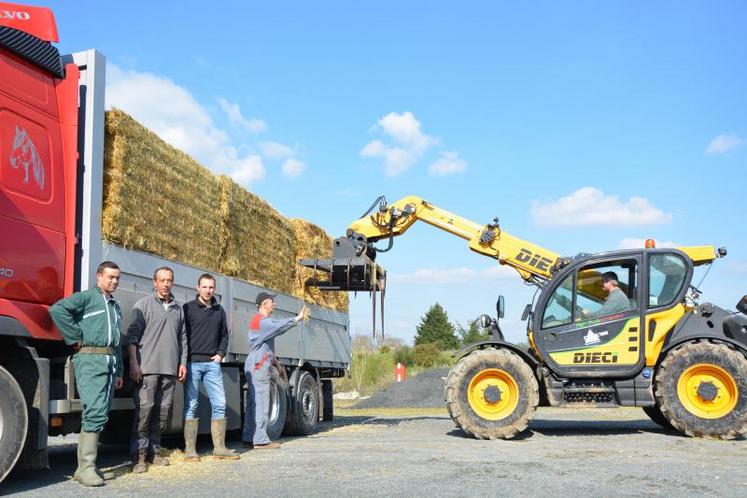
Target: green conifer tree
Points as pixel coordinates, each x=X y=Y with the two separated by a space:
x=435 y=328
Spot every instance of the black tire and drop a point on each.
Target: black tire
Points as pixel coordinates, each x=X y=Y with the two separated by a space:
x=720 y=409
x=13 y=422
x=328 y=405
x=654 y=413
x=484 y=417
x=278 y=405
x=304 y=415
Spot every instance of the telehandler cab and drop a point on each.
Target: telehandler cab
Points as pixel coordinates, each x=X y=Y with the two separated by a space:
x=682 y=361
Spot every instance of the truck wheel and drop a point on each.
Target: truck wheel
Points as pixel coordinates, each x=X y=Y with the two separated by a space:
x=278 y=405
x=328 y=405
x=701 y=389
x=304 y=415
x=491 y=394
x=654 y=413
x=13 y=422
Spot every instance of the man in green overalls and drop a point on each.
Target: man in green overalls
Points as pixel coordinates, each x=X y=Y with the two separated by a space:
x=91 y=322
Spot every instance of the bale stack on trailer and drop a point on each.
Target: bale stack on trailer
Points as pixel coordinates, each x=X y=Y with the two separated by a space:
x=256 y=241
x=159 y=200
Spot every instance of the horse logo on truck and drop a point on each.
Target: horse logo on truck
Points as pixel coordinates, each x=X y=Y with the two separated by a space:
x=24 y=154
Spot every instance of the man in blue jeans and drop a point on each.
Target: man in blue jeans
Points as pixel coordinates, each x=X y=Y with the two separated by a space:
x=207 y=337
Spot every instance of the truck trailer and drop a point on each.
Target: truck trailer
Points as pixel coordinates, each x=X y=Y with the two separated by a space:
x=51 y=189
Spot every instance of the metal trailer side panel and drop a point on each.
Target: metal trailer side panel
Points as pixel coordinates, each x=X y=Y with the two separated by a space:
x=323 y=341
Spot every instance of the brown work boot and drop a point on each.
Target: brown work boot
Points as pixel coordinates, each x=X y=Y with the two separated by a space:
x=140 y=465
x=272 y=445
x=218 y=431
x=190 y=440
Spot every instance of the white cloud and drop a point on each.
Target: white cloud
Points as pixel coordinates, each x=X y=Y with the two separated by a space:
x=275 y=150
x=249 y=170
x=634 y=243
x=407 y=143
x=448 y=164
x=739 y=266
x=461 y=275
x=292 y=168
x=724 y=143
x=233 y=112
x=591 y=206
x=172 y=113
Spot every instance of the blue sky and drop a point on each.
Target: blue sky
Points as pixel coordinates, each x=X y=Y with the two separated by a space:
x=584 y=126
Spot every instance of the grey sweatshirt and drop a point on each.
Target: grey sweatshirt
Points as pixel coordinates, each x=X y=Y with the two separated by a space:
x=615 y=302
x=159 y=334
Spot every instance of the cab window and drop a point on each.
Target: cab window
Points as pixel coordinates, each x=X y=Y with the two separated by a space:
x=559 y=309
x=606 y=289
x=667 y=275
x=593 y=291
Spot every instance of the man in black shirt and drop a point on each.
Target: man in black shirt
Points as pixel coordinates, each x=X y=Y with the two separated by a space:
x=207 y=336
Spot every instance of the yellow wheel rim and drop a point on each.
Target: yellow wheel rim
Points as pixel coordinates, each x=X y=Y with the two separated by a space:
x=493 y=394
x=707 y=391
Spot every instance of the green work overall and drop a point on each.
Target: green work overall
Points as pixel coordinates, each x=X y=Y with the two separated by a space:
x=95 y=322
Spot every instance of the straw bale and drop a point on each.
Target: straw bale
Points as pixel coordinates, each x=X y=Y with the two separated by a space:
x=157 y=199
x=313 y=242
x=257 y=241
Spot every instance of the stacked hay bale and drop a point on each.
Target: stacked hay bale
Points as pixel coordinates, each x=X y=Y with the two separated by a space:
x=313 y=242
x=257 y=242
x=159 y=200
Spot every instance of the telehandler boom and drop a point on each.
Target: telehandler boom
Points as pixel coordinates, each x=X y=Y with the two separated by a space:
x=682 y=361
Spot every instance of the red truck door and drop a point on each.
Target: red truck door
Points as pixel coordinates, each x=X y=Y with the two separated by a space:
x=37 y=177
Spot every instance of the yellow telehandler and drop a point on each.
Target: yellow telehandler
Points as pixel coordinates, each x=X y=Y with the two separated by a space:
x=619 y=328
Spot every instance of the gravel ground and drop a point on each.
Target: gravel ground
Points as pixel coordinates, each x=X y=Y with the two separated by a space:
x=419 y=452
x=424 y=390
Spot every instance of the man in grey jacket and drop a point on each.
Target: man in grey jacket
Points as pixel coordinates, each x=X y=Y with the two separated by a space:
x=616 y=300
x=157 y=345
x=258 y=369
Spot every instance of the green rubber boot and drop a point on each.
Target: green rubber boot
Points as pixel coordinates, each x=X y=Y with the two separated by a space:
x=88 y=447
x=190 y=440
x=218 y=431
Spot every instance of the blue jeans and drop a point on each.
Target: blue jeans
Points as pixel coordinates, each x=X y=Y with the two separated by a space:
x=209 y=373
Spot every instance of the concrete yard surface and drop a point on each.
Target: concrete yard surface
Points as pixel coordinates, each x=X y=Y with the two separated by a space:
x=419 y=452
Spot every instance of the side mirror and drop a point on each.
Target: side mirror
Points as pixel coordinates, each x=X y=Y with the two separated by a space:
x=500 y=307
x=527 y=312
x=742 y=305
x=484 y=321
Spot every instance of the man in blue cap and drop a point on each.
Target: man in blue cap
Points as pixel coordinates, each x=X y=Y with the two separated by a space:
x=258 y=369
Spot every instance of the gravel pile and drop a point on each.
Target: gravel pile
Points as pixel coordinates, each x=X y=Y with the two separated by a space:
x=424 y=390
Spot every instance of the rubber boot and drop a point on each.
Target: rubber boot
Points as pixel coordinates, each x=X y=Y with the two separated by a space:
x=88 y=447
x=140 y=466
x=218 y=431
x=190 y=440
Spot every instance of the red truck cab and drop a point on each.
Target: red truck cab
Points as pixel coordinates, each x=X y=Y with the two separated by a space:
x=38 y=153
x=38 y=162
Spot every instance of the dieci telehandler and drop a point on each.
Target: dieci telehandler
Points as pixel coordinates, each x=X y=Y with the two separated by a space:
x=682 y=361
